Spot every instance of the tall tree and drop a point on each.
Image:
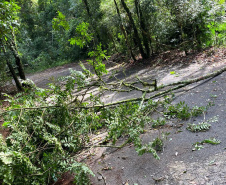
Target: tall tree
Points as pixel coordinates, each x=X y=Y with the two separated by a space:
x=136 y=34
x=143 y=27
x=124 y=32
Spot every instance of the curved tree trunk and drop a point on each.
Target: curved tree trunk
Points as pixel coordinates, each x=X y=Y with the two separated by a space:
x=134 y=29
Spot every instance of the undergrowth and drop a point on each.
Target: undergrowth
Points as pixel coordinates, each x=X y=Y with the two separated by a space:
x=49 y=127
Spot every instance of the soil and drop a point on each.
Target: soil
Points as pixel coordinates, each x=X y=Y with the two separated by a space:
x=179 y=164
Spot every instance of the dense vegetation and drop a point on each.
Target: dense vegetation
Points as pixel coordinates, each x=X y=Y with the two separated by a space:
x=48 y=128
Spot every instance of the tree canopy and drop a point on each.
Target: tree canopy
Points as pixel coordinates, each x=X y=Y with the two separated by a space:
x=128 y=26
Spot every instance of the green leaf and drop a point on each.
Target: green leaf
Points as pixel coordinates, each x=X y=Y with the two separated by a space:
x=6 y=123
x=60 y=21
x=6 y=158
x=72 y=41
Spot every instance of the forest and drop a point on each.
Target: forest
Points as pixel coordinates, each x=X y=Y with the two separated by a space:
x=46 y=129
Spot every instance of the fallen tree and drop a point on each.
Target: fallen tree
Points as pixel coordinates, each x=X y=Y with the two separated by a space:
x=176 y=86
x=49 y=128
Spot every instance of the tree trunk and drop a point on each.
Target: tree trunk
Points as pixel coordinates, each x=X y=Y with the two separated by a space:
x=12 y=71
x=19 y=66
x=124 y=32
x=87 y=7
x=13 y=48
x=134 y=29
x=18 y=84
x=144 y=29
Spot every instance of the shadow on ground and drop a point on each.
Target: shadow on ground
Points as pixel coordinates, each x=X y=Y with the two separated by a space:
x=178 y=164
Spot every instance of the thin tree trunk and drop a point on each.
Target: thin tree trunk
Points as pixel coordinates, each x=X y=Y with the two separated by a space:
x=87 y=7
x=134 y=29
x=124 y=32
x=143 y=27
x=12 y=71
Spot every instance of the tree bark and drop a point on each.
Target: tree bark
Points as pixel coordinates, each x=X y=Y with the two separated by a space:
x=143 y=27
x=134 y=29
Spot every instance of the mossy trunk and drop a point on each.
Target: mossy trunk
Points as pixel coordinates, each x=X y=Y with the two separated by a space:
x=13 y=48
